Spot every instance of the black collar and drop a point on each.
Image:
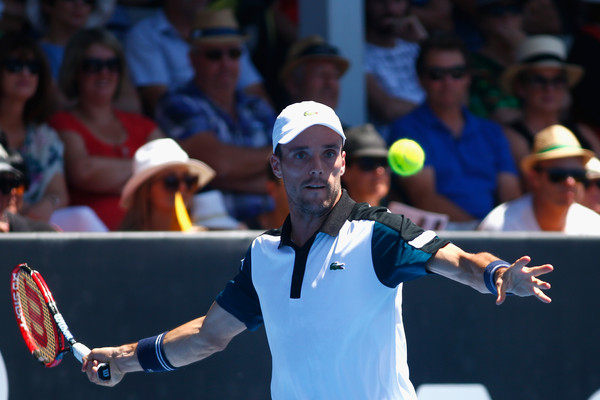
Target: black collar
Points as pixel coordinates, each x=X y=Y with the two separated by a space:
x=333 y=223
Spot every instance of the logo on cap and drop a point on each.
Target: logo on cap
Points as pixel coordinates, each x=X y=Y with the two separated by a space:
x=309 y=113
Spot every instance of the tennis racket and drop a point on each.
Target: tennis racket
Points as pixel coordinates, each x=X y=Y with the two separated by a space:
x=44 y=330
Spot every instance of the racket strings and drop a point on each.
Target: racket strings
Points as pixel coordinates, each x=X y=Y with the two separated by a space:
x=38 y=319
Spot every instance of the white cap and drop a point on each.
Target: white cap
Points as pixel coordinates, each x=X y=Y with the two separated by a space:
x=297 y=117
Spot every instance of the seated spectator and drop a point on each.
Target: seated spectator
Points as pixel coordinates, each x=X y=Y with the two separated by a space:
x=555 y=170
x=57 y=21
x=25 y=80
x=367 y=177
x=219 y=124
x=10 y=180
x=392 y=37
x=501 y=22
x=276 y=217
x=157 y=50
x=313 y=70
x=99 y=139
x=591 y=196
x=160 y=170
x=541 y=79
x=468 y=165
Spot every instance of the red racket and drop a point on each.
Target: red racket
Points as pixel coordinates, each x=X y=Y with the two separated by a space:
x=44 y=330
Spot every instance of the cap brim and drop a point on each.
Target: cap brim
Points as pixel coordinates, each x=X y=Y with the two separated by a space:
x=204 y=172
x=382 y=153
x=340 y=62
x=507 y=81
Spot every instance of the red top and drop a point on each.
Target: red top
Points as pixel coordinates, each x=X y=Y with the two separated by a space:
x=138 y=128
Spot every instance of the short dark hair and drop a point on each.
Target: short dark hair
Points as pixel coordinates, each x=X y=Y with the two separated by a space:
x=440 y=41
x=14 y=43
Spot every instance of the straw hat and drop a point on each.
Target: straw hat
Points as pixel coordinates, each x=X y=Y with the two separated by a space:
x=312 y=47
x=216 y=26
x=593 y=168
x=365 y=141
x=553 y=142
x=157 y=155
x=103 y=10
x=540 y=51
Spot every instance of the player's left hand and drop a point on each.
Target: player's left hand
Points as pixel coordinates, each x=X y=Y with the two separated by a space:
x=522 y=281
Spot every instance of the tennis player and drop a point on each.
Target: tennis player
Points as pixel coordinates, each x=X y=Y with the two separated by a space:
x=327 y=285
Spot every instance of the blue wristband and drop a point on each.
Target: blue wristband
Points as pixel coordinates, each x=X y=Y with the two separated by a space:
x=151 y=354
x=490 y=271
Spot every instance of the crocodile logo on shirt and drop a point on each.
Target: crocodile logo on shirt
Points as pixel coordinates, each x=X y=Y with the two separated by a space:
x=336 y=265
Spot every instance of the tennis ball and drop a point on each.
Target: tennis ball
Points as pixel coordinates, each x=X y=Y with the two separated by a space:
x=406 y=157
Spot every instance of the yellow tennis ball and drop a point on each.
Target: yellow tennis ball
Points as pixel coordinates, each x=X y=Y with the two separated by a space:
x=406 y=157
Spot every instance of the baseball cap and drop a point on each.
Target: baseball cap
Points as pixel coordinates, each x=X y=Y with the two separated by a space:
x=297 y=117
x=365 y=141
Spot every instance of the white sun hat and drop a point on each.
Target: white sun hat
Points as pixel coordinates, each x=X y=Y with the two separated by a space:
x=157 y=155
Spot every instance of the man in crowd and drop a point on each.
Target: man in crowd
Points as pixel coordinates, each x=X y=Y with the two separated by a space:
x=217 y=123
x=555 y=171
x=468 y=164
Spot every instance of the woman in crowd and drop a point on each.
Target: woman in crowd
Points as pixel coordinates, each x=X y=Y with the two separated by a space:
x=99 y=139
x=24 y=83
x=542 y=79
x=161 y=169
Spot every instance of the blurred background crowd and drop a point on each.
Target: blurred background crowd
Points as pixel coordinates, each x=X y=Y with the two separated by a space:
x=140 y=115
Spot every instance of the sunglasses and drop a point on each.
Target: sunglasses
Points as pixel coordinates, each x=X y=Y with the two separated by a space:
x=591 y=182
x=438 y=73
x=368 y=164
x=539 y=82
x=16 y=65
x=88 y=2
x=559 y=175
x=92 y=65
x=8 y=184
x=217 y=55
x=172 y=182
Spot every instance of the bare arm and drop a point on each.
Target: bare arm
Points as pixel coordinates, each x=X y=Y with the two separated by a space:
x=55 y=196
x=508 y=187
x=467 y=268
x=149 y=96
x=422 y=193
x=93 y=173
x=184 y=345
x=383 y=105
x=238 y=168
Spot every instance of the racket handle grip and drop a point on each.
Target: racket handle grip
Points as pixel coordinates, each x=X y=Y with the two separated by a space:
x=80 y=350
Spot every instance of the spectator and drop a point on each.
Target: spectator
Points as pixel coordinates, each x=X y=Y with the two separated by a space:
x=555 y=169
x=23 y=102
x=161 y=169
x=591 y=197
x=501 y=22
x=157 y=50
x=392 y=36
x=276 y=217
x=541 y=79
x=216 y=123
x=313 y=70
x=100 y=140
x=367 y=177
x=10 y=180
x=468 y=165
x=57 y=21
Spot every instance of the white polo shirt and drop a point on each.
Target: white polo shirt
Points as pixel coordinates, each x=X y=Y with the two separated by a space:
x=332 y=308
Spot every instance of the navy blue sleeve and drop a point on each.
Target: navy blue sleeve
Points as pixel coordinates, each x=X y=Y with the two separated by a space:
x=401 y=249
x=239 y=298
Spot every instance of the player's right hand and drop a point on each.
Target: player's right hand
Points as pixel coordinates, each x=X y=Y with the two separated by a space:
x=97 y=356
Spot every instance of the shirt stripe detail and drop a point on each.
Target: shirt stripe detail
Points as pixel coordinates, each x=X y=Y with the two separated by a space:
x=422 y=239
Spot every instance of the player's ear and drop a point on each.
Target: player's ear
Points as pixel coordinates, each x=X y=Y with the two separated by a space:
x=343 y=169
x=276 y=166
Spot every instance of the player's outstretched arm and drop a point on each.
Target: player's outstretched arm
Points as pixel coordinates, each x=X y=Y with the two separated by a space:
x=486 y=273
x=188 y=343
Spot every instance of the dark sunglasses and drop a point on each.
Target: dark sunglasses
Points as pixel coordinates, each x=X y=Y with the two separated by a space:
x=559 y=175
x=367 y=164
x=16 y=65
x=8 y=184
x=591 y=182
x=94 y=65
x=88 y=2
x=217 y=55
x=501 y=10
x=438 y=73
x=172 y=182
x=538 y=81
